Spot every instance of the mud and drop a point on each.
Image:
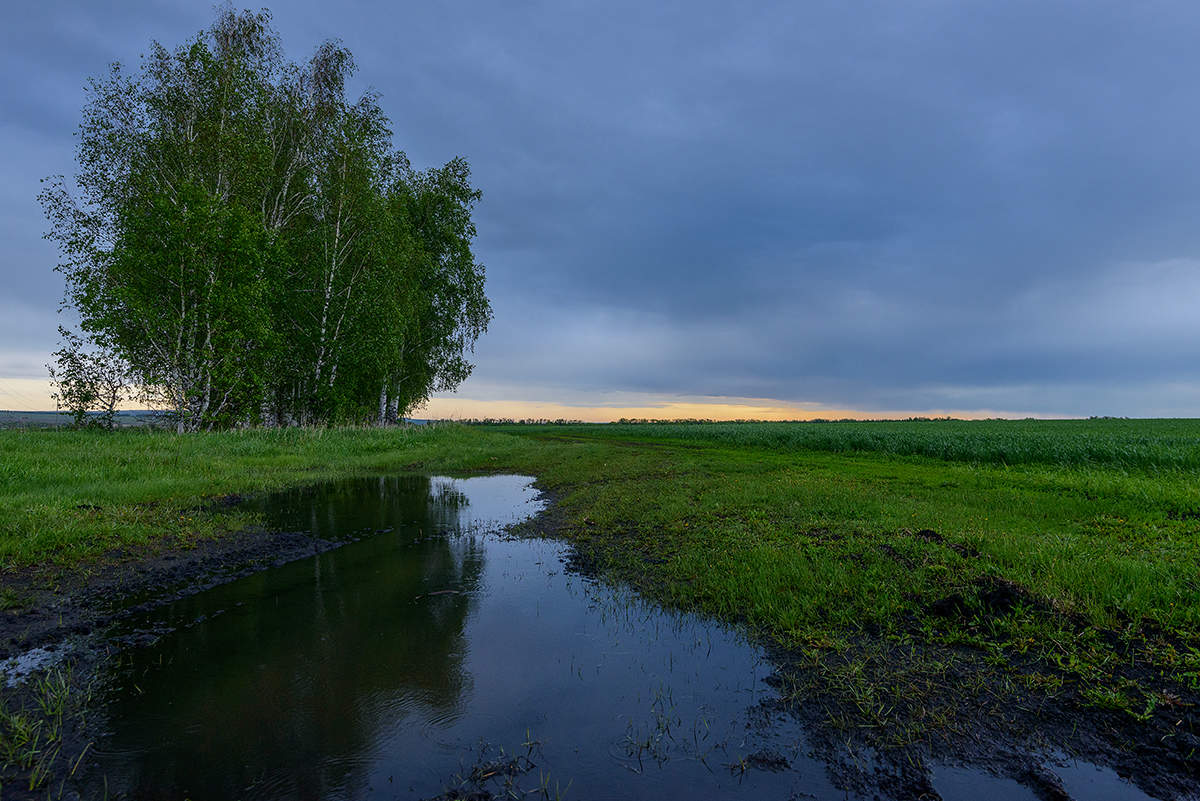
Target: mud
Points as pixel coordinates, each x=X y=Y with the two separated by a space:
x=990 y=723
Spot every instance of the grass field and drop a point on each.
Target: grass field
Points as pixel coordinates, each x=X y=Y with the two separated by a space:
x=1062 y=554
x=1102 y=442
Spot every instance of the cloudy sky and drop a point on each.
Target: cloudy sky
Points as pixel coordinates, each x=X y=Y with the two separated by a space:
x=712 y=209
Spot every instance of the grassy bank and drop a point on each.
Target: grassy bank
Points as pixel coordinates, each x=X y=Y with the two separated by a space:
x=1061 y=555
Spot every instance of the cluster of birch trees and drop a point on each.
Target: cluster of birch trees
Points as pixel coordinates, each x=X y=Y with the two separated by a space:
x=246 y=239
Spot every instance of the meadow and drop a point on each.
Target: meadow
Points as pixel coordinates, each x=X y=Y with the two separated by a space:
x=1119 y=443
x=1045 y=558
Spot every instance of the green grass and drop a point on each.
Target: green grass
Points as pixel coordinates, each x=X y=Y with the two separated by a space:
x=31 y=736
x=1104 y=442
x=70 y=496
x=810 y=534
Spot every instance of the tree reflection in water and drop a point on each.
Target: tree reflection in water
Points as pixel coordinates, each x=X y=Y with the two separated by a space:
x=295 y=670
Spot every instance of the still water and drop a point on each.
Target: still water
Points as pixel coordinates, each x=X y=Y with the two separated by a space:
x=436 y=657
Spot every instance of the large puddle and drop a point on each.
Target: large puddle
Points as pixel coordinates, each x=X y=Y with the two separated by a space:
x=435 y=656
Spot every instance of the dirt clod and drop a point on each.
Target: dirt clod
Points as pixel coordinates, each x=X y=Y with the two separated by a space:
x=766 y=759
x=952 y=606
x=1045 y=785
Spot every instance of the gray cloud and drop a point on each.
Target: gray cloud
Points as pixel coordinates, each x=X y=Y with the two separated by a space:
x=867 y=205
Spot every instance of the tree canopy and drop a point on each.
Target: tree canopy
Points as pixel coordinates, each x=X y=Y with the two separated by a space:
x=247 y=240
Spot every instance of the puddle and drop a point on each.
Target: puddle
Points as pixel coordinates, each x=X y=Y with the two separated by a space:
x=965 y=784
x=1080 y=780
x=437 y=655
x=1095 y=783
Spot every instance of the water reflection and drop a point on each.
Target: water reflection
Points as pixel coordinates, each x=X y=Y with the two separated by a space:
x=274 y=685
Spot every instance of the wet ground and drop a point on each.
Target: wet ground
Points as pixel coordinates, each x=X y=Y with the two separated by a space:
x=437 y=657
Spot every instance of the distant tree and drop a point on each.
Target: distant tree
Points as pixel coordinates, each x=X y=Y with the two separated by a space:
x=89 y=382
x=247 y=240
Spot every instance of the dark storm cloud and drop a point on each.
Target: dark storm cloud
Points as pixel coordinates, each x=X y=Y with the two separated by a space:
x=868 y=205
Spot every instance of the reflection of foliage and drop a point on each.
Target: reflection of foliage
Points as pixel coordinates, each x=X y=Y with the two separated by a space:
x=444 y=495
x=371 y=639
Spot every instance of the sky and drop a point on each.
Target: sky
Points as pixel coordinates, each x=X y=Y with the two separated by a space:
x=731 y=210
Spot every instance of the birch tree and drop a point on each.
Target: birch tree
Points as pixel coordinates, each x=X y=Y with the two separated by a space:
x=245 y=237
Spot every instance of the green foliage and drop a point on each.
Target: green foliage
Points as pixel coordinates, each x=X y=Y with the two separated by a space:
x=31 y=735
x=88 y=380
x=246 y=238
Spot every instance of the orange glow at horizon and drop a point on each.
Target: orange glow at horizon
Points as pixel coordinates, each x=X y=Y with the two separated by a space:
x=717 y=409
x=33 y=394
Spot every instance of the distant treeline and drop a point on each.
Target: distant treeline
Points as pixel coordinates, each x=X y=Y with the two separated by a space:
x=244 y=246
x=685 y=421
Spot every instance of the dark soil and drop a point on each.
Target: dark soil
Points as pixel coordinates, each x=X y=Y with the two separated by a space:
x=990 y=719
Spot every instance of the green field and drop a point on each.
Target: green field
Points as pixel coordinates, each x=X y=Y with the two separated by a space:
x=1102 y=442
x=1058 y=557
